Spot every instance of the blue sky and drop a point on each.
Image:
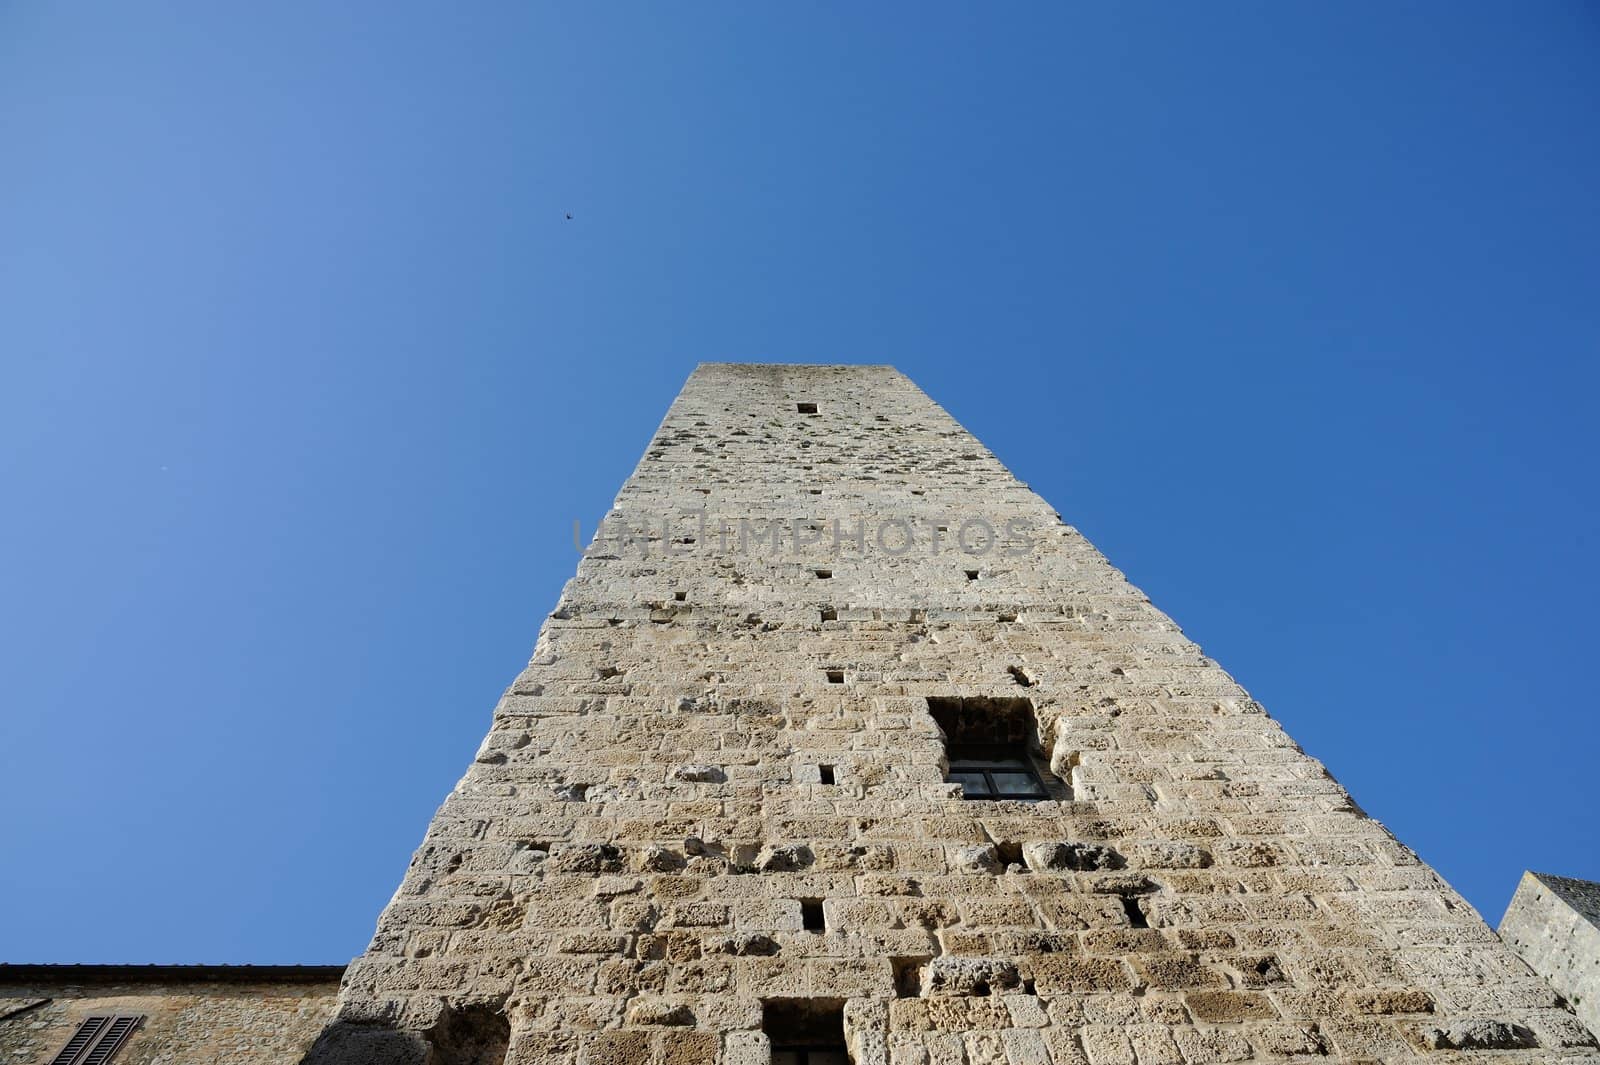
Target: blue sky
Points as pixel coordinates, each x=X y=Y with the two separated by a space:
x=1293 y=309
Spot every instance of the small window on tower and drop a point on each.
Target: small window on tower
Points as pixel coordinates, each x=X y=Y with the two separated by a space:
x=995 y=773
x=991 y=745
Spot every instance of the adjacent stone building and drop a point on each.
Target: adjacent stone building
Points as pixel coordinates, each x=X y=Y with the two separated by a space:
x=1553 y=922
x=843 y=746
x=163 y=1014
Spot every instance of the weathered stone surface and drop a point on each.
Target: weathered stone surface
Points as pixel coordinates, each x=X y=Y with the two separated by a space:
x=787 y=858
x=647 y=1011
x=981 y=859
x=1171 y=855
x=970 y=976
x=1391 y=1000
x=592 y=858
x=1073 y=857
x=1482 y=1035
x=720 y=787
x=702 y=774
x=743 y=945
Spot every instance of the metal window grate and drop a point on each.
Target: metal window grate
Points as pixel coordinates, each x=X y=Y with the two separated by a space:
x=98 y=1039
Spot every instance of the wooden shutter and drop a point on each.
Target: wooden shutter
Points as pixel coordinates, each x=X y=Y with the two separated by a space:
x=98 y=1039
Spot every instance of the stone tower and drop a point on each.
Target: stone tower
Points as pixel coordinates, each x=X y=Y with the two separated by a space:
x=842 y=746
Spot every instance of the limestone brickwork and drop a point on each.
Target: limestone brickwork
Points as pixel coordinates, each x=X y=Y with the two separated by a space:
x=718 y=796
x=193 y=1014
x=1553 y=923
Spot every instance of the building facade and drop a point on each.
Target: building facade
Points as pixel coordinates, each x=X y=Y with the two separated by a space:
x=163 y=1014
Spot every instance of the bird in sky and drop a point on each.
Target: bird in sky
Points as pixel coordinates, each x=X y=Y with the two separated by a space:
x=569 y=216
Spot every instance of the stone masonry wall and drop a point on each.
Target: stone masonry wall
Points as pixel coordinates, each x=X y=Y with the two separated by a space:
x=1553 y=923
x=624 y=873
x=201 y=1017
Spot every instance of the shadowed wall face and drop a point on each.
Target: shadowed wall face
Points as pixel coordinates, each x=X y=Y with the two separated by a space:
x=1553 y=923
x=728 y=813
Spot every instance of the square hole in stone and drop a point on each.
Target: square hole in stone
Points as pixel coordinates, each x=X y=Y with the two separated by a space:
x=811 y=916
x=1135 y=911
x=1010 y=854
x=824 y=574
x=972 y=574
x=806 y=408
x=835 y=676
x=679 y=597
x=829 y=614
x=908 y=975
x=805 y=1031
x=476 y=1033
x=825 y=772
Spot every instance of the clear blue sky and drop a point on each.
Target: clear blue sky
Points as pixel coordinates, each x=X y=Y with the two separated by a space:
x=1294 y=309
